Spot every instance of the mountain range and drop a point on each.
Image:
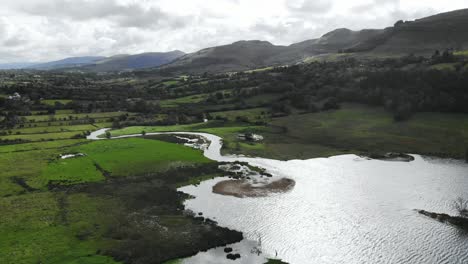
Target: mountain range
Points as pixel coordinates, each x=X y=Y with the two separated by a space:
x=419 y=37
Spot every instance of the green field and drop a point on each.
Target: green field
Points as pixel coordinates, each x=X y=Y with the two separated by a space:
x=260 y=114
x=53 y=101
x=79 y=225
x=192 y=99
x=444 y=66
x=357 y=129
x=46 y=228
x=39 y=163
x=65 y=117
x=132 y=156
x=461 y=53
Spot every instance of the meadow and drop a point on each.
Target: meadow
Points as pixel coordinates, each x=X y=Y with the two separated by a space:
x=76 y=210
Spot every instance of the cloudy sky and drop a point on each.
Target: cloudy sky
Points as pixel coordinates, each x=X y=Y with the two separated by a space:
x=41 y=30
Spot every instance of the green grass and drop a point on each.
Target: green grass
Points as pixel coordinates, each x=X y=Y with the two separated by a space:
x=71 y=171
x=252 y=114
x=132 y=156
x=356 y=128
x=41 y=145
x=66 y=117
x=461 y=53
x=53 y=101
x=192 y=99
x=62 y=128
x=171 y=82
x=174 y=261
x=34 y=228
x=25 y=164
x=260 y=70
x=39 y=163
x=42 y=136
x=444 y=66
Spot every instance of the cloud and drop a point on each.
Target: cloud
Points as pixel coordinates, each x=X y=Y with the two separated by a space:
x=310 y=6
x=124 y=15
x=42 y=30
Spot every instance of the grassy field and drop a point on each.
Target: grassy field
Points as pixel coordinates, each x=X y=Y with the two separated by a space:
x=356 y=129
x=103 y=216
x=62 y=125
x=65 y=117
x=461 y=53
x=260 y=114
x=53 y=101
x=444 y=66
x=40 y=228
x=37 y=164
x=59 y=128
x=192 y=99
x=133 y=156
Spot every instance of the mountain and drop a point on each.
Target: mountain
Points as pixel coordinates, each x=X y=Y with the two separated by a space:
x=66 y=63
x=103 y=64
x=236 y=56
x=422 y=36
x=132 y=62
x=245 y=55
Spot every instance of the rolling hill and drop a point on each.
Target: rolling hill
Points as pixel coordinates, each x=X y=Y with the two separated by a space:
x=103 y=64
x=245 y=55
x=66 y=63
x=421 y=37
x=133 y=62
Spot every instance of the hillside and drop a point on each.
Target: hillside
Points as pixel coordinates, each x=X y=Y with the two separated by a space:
x=66 y=63
x=245 y=55
x=422 y=36
x=132 y=62
x=104 y=64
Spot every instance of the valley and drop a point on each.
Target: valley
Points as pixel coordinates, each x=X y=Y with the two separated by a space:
x=330 y=149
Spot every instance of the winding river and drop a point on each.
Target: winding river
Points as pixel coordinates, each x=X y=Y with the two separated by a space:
x=343 y=209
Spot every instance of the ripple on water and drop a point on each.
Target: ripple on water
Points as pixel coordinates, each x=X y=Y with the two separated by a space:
x=345 y=209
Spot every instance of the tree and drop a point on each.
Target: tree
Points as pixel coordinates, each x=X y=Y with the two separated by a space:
x=108 y=135
x=399 y=23
x=143 y=133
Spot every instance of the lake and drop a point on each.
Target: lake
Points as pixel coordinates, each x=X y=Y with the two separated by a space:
x=343 y=209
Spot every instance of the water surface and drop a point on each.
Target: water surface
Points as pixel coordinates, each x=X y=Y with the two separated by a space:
x=347 y=209
x=344 y=209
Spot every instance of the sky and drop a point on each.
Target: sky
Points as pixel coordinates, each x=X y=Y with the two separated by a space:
x=45 y=30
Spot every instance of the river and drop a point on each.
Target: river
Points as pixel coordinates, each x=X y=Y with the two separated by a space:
x=343 y=209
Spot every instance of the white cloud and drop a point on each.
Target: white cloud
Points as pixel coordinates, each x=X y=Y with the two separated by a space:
x=41 y=30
